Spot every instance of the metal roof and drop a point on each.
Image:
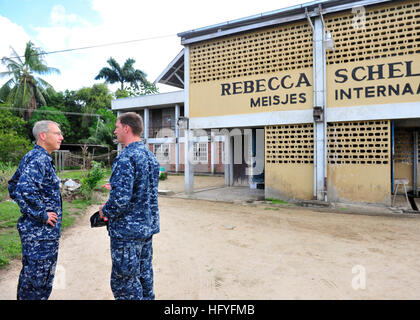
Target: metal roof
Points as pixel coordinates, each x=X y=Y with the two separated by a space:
x=173 y=74
x=293 y=13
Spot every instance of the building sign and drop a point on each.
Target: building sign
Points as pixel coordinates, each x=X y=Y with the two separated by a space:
x=379 y=81
x=371 y=82
x=290 y=90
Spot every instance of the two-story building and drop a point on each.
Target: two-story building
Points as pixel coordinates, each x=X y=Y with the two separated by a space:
x=315 y=101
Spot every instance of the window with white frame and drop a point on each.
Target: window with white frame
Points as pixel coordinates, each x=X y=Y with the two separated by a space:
x=162 y=152
x=200 y=152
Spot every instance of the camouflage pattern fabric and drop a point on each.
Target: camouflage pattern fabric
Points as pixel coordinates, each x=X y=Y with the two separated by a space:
x=132 y=207
x=36 y=189
x=39 y=259
x=132 y=210
x=132 y=271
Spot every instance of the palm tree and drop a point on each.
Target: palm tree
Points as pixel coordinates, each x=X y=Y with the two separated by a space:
x=124 y=74
x=25 y=89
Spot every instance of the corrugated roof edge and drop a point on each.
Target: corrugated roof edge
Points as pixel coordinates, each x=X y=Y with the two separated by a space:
x=327 y=6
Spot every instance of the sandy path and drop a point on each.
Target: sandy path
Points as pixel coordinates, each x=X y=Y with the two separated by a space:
x=209 y=250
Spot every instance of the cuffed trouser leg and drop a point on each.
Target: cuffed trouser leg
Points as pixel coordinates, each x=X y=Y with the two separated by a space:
x=39 y=259
x=132 y=272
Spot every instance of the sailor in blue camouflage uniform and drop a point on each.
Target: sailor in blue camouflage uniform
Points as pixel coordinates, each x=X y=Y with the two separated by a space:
x=132 y=211
x=35 y=187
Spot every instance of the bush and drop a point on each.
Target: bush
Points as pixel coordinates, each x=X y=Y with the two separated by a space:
x=91 y=180
x=13 y=141
x=6 y=173
x=12 y=147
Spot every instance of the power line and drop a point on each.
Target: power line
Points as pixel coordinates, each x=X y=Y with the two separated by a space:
x=99 y=45
x=56 y=112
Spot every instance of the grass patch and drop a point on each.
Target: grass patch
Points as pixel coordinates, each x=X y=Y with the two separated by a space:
x=10 y=246
x=78 y=174
x=276 y=201
x=9 y=214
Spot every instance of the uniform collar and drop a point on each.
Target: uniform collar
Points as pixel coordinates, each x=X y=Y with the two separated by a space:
x=133 y=144
x=38 y=147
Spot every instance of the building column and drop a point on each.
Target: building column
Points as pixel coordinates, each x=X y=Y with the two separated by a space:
x=177 y=113
x=146 y=122
x=212 y=151
x=415 y=162
x=320 y=126
x=188 y=142
x=119 y=147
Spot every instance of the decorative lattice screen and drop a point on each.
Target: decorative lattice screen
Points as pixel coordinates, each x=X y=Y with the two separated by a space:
x=362 y=142
x=289 y=143
x=282 y=48
x=375 y=32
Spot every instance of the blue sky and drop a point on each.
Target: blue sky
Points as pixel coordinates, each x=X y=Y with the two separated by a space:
x=34 y=13
x=65 y=24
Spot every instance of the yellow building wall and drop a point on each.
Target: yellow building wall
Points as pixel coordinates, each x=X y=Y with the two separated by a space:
x=289 y=167
x=359 y=161
x=359 y=183
x=289 y=181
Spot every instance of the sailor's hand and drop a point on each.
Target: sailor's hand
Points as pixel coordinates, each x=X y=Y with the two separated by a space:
x=101 y=214
x=52 y=218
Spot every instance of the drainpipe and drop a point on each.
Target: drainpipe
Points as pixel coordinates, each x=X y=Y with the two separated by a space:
x=324 y=93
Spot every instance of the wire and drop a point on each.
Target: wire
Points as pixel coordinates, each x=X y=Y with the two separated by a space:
x=97 y=46
x=56 y=112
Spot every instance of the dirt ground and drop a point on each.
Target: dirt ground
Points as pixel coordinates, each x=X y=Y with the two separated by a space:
x=214 y=250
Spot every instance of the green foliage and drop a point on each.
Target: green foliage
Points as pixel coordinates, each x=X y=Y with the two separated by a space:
x=163 y=176
x=13 y=141
x=91 y=180
x=10 y=247
x=125 y=74
x=102 y=132
x=6 y=173
x=144 y=88
x=51 y=113
x=276 y=201
x=25 y=89
x=11 y=123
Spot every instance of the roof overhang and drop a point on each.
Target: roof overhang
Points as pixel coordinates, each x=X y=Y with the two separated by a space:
x=289 y=14
x=160 y=100
x=173 y=75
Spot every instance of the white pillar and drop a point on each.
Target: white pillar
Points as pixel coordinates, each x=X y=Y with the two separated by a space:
x=146 y=122
x=188 y=145
x=119 y=147
x=320 y=127
x=213 y=151
x=177 y=113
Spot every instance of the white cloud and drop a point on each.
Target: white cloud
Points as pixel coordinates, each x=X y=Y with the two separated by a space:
x=58 y=16
x=15 y=36
x=127 y=20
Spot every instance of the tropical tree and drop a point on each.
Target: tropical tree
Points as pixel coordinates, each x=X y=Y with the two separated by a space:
x=125 y=74
x=25 y=89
